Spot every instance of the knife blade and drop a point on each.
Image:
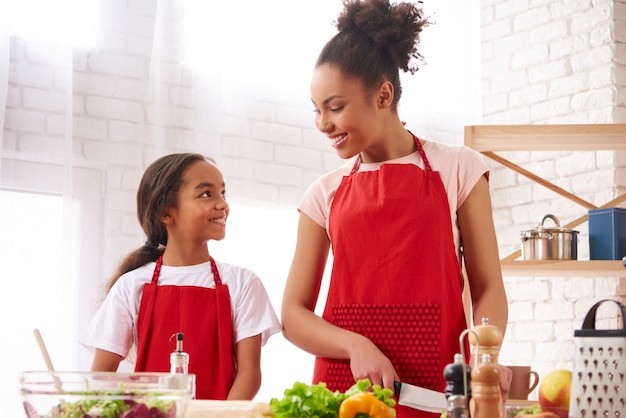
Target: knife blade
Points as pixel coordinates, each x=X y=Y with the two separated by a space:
x=417 y=397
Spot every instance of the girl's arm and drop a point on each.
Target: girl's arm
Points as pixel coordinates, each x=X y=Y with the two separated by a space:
x=314 y=334
x=248 y=379
x=105 y=361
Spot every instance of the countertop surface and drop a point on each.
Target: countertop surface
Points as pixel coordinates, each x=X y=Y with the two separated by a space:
x=227 y=409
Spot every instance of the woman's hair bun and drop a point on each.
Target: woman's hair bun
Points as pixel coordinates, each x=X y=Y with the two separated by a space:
x=393 y=27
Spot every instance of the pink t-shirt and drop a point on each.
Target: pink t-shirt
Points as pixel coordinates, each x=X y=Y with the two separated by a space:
x=459 y=167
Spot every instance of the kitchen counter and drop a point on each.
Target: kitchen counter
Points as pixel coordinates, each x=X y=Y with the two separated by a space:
x=228 y=409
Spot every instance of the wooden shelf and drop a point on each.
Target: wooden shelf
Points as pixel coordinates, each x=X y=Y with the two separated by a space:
x=554 y=268
x=546 y=137
x=488 y=139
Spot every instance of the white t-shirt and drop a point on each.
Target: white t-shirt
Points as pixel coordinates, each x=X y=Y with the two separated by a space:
x=459 y=167
x=114 y=327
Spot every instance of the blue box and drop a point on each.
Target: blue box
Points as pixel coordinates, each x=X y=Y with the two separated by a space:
x=607 y=234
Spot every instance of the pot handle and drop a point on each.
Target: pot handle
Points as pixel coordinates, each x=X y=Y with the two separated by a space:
x=554 y=219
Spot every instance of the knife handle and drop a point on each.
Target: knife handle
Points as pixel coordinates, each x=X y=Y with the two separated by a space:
x=396 y=388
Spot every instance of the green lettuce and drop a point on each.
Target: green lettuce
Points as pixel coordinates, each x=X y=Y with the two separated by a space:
x=317 y=401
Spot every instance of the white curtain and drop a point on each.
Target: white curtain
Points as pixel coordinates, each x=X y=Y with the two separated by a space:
x=81 y=120
x=37 y=274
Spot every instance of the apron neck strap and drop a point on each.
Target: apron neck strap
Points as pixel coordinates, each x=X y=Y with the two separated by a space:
x=157 y=270
x=357 y=162
x=216 y=273
x=159 y=263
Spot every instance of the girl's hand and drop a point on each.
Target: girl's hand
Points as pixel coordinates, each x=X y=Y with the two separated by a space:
x=368 y=362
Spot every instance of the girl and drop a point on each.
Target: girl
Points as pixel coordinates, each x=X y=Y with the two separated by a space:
x=402 y=215
x=172 y=285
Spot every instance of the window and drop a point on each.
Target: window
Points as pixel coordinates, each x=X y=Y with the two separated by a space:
x=66 y=22
x=51 y=271
x=35 y=289
x=245 y=34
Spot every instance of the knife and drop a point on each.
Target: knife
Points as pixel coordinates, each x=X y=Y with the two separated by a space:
x=420 y=398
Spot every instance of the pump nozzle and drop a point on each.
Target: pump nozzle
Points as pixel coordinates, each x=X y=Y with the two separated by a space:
x=179 y=360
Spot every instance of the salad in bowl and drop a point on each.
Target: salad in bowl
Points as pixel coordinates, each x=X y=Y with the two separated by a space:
x=105 y=394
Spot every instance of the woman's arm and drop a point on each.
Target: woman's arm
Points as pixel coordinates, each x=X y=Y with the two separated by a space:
x=312 y=333
x=482 y=260
x=482 y=263
x=248 y=379
x=105 y=361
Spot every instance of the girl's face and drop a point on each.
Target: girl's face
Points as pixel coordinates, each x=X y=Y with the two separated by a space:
x=343 y=111
x=201 y=210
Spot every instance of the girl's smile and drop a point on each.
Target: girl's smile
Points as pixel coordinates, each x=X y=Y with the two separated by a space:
x=221 y=220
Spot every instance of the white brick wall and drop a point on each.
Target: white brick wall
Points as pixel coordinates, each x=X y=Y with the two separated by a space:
x=552 y=62
x=132 y=103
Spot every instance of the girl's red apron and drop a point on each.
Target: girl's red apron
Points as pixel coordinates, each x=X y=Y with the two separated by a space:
x=204 y=316
x=396 y=278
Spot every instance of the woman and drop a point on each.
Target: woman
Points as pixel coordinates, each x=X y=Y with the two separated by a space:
x=401 y=216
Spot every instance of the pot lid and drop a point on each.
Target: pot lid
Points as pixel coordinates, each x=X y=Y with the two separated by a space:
x=541 y=228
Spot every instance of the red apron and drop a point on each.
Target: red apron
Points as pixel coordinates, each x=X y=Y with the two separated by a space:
x=204 y=316
x=396 y=278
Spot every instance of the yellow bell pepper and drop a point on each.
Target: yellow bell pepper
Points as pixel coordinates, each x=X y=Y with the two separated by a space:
x=364 y=404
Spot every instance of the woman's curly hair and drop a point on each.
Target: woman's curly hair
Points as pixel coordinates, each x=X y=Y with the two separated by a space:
x=376 y=39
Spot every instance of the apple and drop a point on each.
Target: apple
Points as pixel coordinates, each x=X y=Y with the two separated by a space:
x=554 y=392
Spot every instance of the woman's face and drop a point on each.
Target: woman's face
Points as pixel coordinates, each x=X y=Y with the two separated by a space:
x=201 y=210
x=344 y=112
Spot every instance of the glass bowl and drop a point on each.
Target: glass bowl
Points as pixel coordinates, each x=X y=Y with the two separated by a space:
x=105 y=394
x=514 y=408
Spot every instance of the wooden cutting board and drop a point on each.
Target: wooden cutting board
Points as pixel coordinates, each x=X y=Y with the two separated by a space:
x=228 y=409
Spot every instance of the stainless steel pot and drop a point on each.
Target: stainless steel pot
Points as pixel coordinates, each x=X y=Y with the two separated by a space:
x=544 y=243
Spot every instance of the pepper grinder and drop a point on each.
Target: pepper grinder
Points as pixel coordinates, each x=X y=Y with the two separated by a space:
x=458 y=390
x=486 y=395
x=489 y=340
x=179 y=360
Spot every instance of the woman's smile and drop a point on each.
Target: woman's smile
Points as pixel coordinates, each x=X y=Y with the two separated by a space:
x=338 y=140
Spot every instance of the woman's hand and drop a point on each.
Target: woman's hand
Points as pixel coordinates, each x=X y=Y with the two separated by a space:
x=368 y=362
x=505 y=381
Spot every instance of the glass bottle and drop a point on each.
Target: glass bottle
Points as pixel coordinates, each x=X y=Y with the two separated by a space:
x=179 y=360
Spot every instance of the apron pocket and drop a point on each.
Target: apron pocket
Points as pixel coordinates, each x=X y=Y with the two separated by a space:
x=408 y=334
